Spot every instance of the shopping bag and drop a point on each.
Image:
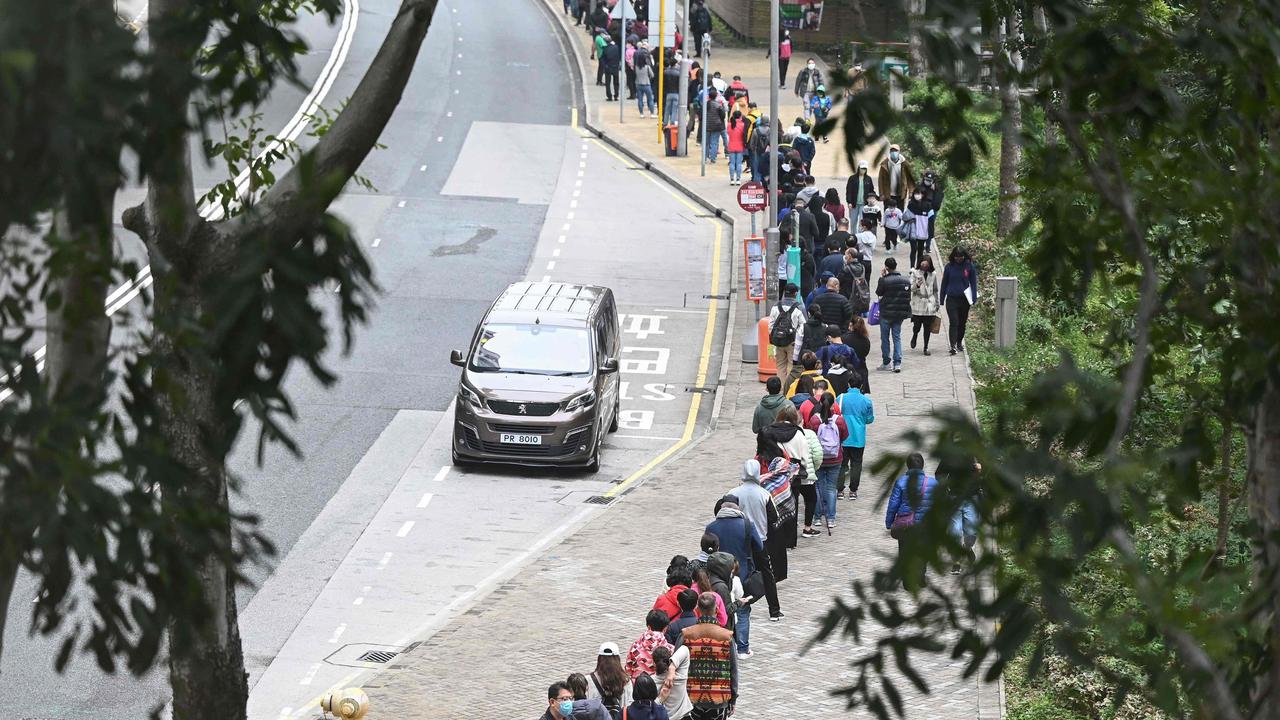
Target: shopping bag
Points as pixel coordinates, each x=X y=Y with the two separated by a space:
x=873 y=317
x=935 y=325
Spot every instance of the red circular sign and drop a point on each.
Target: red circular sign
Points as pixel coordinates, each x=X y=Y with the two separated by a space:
x=752 y=197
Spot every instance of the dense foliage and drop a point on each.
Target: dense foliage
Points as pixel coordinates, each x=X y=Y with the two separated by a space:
x=1146 y=253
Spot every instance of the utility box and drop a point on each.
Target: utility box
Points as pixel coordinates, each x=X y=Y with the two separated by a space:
x=892 y=70
x=1006 y=311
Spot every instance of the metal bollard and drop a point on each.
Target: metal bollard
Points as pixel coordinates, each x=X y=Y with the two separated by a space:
x=1006 y=311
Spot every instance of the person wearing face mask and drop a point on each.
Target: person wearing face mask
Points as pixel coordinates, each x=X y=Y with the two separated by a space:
x=807 y=82
x=856 y=191
x=918 y=216
x=897 y=179
x=559 y=699
x=784 y=57
x=933 y=193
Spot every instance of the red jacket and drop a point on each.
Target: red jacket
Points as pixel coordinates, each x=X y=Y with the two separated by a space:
x=737 y=136
x=669 y=603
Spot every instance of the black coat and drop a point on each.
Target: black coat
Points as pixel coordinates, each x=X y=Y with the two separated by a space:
x=700 y=20
x=808 y=227
x=851 y=188
x=894 y=290
x=836 y=309
x=611 y=56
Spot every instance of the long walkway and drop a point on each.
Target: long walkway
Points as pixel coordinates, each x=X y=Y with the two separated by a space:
x=597 y=585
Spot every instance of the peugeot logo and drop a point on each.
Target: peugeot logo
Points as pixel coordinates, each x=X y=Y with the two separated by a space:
x=522 y=409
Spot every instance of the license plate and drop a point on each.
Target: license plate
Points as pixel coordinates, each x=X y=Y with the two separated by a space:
x=514 y=439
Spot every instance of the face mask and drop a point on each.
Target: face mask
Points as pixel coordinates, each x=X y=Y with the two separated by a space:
x=919 y=197
x=566 y=708
x=786 y=167
x=812 y=66
x=893 y=156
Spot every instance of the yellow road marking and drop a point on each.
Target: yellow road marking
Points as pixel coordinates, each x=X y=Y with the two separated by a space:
x=573 y=117
x=708 y=335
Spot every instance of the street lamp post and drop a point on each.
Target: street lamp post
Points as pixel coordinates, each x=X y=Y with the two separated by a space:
x=624 y=6
x=771 y=233
x=682 y=148
x=706 y=95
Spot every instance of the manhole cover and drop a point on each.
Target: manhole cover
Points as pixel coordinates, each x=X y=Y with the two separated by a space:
x=599 y=500
x=377 y=656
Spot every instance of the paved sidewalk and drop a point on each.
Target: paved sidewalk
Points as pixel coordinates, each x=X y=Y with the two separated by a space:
x=498 y=658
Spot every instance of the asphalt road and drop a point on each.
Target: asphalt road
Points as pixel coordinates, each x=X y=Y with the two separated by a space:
x=483 y=182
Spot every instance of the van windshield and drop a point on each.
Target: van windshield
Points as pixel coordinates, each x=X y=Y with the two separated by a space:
x=533 y=349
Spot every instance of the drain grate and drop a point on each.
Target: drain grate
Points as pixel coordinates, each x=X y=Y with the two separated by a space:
x=599 y=500
x=377 y=656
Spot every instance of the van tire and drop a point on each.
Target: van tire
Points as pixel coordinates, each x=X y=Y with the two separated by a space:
x=613 y=424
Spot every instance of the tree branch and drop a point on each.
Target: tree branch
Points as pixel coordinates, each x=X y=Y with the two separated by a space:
x=320 y=174
x=1218 y=697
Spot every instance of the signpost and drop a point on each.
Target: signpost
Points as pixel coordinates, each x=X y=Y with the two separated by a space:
x=752 y=198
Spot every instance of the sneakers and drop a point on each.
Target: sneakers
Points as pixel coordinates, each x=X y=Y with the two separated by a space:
x=853 y=495
x=956 y=569
x=926 y=351
x=840 y=495
x=887 y=367
x=809 y=532
x=776 y=618
x=745 y=655
x=831 y=524
x=897 y=368
x=952 y=351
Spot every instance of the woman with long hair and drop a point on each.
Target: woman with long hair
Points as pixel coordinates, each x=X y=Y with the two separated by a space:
x=959 y=292
x=736 y=146
x=702 y=584
x=834 y=206
x=832 y=432
x=924 y=300
x=609 y=682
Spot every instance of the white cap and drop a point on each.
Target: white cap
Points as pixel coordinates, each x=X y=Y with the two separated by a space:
x=862 y=165
x=608 y=649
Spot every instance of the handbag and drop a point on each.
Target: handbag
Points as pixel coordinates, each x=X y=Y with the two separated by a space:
x=903 y=522
x=754 y=584
x=935 y=325
x=873 y=316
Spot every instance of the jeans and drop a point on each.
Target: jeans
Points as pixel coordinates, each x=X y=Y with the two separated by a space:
x=757 y=161
x=735 y=166
x=670 y=108
x=851 y=466
x=827 y=476
x=742 y=631
x=808 y=111
x=957 y=318
x=724 y=141
x=895 y=329
x=964 y=526
x=713 y=145
x=644 y=93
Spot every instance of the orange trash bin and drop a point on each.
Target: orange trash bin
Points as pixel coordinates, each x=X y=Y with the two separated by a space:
x=765 y=366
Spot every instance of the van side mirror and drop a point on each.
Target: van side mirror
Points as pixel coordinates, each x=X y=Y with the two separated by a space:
x=455 y=357
x=609 y=366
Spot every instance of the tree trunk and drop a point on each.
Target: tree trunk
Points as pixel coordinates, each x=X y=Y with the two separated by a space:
x=1004 y=70
x=1224 y=493
x=206 y=660
x=915 y=21
x=8 y=576
x=1263 y=434
x=1042 y=38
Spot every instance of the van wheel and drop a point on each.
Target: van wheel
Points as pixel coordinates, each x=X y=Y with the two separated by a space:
x=613 y=424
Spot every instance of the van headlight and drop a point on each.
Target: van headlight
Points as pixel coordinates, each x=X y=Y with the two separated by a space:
x=466 y=394
x=581 y=402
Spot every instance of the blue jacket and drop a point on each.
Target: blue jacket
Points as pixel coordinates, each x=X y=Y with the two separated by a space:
x=858 y=413
x=900 y=499
x=738 y=537
x=958 y=278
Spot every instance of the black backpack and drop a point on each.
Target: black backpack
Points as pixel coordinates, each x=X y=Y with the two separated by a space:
x=612 y=704
x=784 y=331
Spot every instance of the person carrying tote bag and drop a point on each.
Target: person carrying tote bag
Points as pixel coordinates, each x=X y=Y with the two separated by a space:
x=925 y=301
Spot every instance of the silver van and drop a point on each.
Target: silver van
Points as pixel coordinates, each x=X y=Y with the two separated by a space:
x=540 y=380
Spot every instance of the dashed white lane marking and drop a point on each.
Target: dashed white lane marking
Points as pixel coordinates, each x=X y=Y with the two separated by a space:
x=555 y=252
x=565 y=228
x=386 y=558
x=459 y=72
x=573 y=203
x=377 y=242
x=569 y=216
x=459 y=56
x=444 y=471
x=337 y=633
x=581 y=164
x=551 y=265
x=358 y=601
x=456 y=91
x=546 y=278
x=560 y=239
x=405 y=528
x=455 y=10
x=400 y=204
x=311 y=674
x=577 y=193
x=449 y=114
x=440 y=139
x=422 y=169
x=459 y=38
x=426 y=499
x=577 y=183
x=286 y=712
x=580 y=173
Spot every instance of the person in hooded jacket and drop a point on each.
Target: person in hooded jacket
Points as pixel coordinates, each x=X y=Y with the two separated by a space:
x=826 y=223
x=739 y=540
x=767 y=411
x=858 y=412
x=909 y=502
x=756 y=503
x=720 y=571
x=896 y=178
x=828 y=420
x=758 y=149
